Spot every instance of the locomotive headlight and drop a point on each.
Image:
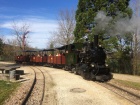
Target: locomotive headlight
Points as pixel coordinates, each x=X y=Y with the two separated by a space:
x=100 y=45
x=92 y=65
x=106 y=65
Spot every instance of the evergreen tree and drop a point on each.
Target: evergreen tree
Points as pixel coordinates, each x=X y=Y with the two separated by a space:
x=87 y=11
x=52 y=45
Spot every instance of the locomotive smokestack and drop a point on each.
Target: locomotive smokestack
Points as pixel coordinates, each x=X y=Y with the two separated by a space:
x=95 y=40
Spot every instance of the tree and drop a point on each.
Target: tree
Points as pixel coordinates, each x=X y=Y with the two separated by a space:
x=66 y=24
x=1 y=46
x=87 y=11
x=21 y=30
x=136 y=35
x=11 y=50
x=50 y=44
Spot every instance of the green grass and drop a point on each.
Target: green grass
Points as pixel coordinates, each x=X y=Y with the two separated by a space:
x=130 y=84
x=6 y=89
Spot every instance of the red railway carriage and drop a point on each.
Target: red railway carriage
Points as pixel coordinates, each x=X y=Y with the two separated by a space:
x=50 y=57
x=17 y=59
x=55 y=59
x=44 y=58
x=32 y=58
x=59 y=57
x=24 y=56
x=35 y=57
x=20 y=58
x=29 y=55
x=38 y=58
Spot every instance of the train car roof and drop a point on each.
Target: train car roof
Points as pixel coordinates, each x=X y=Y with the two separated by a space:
x=73 y=44
x=48 y=50
x=61 y=48
x=30 y=51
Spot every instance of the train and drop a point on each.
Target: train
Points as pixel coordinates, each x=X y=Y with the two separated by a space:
x=87 y=59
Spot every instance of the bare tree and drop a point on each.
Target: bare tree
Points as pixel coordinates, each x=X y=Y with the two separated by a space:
x=136 y=35
x=21 y=32
x=13 y=43
x=66 y=24
x=51 y=43
x=1 y=45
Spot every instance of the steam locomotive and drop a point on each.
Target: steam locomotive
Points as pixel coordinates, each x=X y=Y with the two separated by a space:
x=92 y=62
x=86 y=59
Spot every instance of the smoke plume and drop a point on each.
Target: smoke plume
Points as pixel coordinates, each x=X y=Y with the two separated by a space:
x=119 y=26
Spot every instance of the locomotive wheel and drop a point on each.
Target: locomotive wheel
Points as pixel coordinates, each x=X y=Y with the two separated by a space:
x=92 y=77
x=66 y=68
x=72 y=70
x=75 y=72
x=100 y=78
x=86 y=76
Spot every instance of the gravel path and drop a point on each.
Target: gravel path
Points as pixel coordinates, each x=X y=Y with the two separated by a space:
x=94 y=94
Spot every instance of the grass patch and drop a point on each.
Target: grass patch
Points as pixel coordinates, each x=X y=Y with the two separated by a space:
x=6 y=89
x=130 y=84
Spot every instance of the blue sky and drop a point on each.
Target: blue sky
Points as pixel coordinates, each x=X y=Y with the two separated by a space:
x=41 y=15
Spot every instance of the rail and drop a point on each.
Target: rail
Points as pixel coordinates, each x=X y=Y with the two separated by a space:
x=133 y=97
x=34 y=85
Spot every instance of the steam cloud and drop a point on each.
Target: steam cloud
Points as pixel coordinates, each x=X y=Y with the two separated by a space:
x=119 y=27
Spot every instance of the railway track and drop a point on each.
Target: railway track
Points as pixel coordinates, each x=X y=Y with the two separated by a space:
x=51 y=98
x=133 y=97
x=35 y=95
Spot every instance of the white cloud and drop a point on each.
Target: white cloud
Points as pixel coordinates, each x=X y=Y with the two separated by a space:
x=40 y=29
x=38 y=40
